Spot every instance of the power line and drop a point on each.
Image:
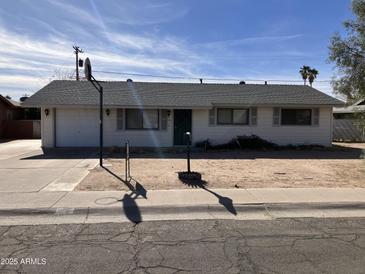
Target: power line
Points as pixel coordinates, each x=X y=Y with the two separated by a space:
x=198 y=78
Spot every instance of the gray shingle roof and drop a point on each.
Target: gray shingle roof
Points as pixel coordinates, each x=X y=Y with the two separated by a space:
x=150 y=94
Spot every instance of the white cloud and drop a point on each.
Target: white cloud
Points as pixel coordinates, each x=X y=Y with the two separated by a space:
x=77 y=13
x=247 y=41
x=29 y=62
x=142 y=12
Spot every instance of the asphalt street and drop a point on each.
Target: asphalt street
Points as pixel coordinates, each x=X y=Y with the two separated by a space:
x=307 y=245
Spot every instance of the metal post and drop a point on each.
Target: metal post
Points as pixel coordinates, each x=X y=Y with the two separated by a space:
x=101 y=127
x=126 y=161
x=188 y=150
x=127 y=165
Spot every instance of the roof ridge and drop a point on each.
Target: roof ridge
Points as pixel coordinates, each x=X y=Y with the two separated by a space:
x=71 y=92
x=187 y=83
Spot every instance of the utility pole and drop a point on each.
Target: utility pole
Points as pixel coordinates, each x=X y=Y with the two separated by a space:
x=77 y=51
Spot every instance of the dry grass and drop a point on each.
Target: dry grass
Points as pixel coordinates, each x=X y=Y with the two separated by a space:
x=341 y=166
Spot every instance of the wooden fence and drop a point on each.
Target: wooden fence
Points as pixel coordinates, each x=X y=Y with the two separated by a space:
x=22 y=129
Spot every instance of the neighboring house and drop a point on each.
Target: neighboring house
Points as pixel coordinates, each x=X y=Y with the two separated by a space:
x=346 y=126
x=18 y=122
x=9 y=110
x=158 y=114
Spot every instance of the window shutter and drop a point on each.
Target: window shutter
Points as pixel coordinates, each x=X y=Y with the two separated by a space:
x=120 y=119
x=253 y=116
x=212 y=117
x=276 y=117
x=164 y=117
x=315 y=120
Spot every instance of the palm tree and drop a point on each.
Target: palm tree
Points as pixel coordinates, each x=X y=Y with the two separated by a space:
x=304 y=72
x=312 y=74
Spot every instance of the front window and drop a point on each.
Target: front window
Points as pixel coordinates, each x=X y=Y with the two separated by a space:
x=142 y=119
x=230 y=116
x=298 y=117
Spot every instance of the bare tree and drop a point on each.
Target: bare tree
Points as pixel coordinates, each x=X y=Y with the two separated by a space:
x=63 y=74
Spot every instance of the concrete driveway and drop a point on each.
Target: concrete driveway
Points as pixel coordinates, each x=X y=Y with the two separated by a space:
x=25 y=168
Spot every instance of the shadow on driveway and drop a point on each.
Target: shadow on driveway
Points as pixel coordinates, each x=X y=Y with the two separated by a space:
x=63 y=154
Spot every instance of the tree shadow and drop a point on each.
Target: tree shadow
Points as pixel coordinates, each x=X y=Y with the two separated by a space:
x=224 y=201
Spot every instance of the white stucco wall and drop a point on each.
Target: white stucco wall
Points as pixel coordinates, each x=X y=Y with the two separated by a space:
x=80 y=127
x=139 y=138
x=282 y=135
x=74 y=127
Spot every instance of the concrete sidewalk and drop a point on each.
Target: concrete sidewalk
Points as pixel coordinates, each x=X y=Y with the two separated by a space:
x=119 y=206
x=186 y=197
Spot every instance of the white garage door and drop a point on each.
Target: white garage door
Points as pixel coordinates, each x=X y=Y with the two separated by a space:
x=77 y=128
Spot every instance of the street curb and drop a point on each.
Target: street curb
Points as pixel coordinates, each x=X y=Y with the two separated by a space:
x=181 y=209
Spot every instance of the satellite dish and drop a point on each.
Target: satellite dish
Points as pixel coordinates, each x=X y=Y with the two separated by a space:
x=87 y=69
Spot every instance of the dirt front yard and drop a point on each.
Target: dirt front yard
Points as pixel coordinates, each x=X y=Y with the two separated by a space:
x=340 y=166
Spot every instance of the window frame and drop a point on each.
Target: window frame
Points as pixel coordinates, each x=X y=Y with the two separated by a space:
x=142 y=128
x=232 y=119
x=297 y=125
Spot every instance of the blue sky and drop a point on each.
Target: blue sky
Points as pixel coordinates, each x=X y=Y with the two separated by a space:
x=232 y=39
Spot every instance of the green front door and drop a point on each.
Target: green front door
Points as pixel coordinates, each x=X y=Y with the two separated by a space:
x=182 y=124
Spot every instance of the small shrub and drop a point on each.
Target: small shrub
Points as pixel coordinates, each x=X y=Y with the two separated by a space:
x=254 y=142
x=303 y=147
x=233 y=144
x=114 y=150
x=203 y=144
